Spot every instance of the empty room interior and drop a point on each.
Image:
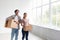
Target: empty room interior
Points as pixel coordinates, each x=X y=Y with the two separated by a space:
x=43 y=15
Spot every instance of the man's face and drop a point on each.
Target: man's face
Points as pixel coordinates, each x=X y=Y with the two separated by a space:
x=17 y=12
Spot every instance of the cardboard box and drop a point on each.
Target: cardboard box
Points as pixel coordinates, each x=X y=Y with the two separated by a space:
x=11 y=24
x=28 y=28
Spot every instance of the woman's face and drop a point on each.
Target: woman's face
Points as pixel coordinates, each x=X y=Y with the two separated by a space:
x=25 y=15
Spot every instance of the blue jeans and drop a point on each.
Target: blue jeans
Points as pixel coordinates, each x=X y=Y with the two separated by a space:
x=25 y=33
x=14 y=33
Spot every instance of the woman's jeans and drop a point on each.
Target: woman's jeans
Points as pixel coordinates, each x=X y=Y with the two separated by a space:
x=24 y=33
x=14 y=33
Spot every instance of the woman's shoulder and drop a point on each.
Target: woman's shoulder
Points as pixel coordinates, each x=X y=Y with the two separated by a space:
x=22 y=19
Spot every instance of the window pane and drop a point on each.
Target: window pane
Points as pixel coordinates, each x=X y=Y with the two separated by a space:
x=56 y=14
x=38 y=3
x=38 y=16
x=53 y=15
x=45 y=1
x=45 y=15
x=54 y=0
x=34 y=16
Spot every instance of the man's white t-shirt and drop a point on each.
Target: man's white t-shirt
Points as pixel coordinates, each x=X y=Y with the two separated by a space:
x=16 y=19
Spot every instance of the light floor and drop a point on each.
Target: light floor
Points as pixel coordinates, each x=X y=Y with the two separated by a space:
x=6 y=36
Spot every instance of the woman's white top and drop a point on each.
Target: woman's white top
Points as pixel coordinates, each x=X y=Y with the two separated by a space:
x=25 y=22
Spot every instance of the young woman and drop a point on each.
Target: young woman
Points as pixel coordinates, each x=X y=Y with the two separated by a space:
x=24 y=24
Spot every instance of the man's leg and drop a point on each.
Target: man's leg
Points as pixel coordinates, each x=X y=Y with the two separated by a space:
x=12 y=34
x=16 y=34
x=23 y=34
x=27 y=33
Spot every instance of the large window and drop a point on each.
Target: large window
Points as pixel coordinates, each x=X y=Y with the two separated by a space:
x=46 y=13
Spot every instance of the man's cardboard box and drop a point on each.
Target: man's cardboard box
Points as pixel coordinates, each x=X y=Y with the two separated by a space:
x=10 y=24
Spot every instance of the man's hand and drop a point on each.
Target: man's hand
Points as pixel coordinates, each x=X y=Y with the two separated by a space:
x=16 y=22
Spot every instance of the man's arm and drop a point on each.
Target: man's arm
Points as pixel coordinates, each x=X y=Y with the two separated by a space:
x=19 y=20
x=10 y=17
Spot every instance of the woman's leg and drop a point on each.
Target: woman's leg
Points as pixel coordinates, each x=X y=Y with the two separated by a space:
x=23 y=34
x=27 y=34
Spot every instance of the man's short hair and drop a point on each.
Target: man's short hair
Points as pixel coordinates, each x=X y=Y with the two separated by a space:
x=16 y=10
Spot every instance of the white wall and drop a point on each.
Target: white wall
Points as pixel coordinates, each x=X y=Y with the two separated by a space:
x=46 y=33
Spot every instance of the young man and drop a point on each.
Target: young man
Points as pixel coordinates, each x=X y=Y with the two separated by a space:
x=15 y=31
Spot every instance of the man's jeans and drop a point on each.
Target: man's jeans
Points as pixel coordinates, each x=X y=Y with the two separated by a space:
x=14 y=33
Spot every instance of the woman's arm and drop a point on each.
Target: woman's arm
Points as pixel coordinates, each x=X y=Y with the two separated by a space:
x=22 y=23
